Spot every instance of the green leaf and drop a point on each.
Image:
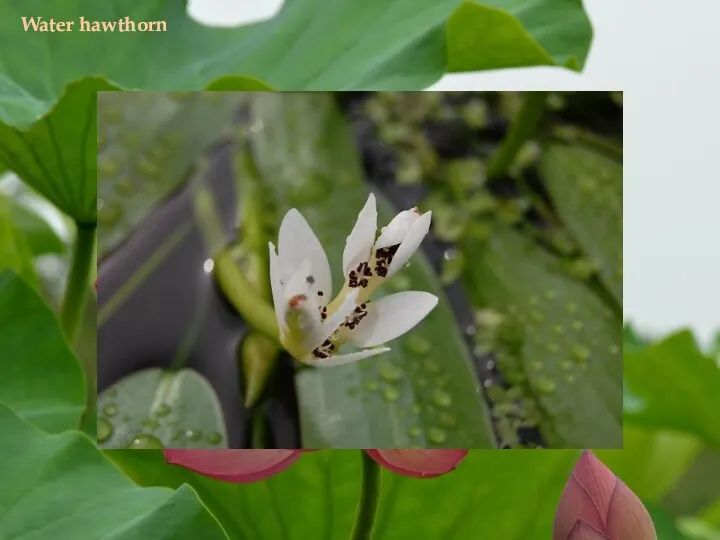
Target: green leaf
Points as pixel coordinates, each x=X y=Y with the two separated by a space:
x=15 y=252
x=651 y=462
x=60 y=486
x=147 y=144
x=152 y=407
x=498 y=495
x=425 y=391
x=41 y=237
x=56 y=154
x=308 y=45
x=586 y=188
x=498 y=34
x=674 y=386
x=665 y=525
x=40 y=378
x=567 y=351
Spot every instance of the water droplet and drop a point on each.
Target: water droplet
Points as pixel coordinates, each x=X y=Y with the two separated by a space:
x=109 y=214
x=214 y=438
x=112 y=393
x=436 y=435
x=149 y=423
x=536 y=365
x=371 y=385
x=144 y=441
x=417 y=344
x=104 y=430
x=577 y=325
x=570 y=378
x=353 y=391
x=580 y=353
x=421 y=383
x=534 y=301
x=537 y=317
x=614 y=349
x=553 y=347
x=391 y=393
x=566 y=365
x=193 y=434
x=124 y=187
x=447 y=420
x=415 y=408
x=571 y=308
x=107 y=167
x=390 y=372
x=163 y=410
x=431 y=366
x=545 y=385
x=558 y=329
x=415 y=431
x=148 y=168
x=110 y=410
x=441 y=398
x=550 y=294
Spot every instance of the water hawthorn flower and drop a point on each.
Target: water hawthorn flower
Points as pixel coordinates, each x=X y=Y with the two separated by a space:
x=312 y=327
x=597 y=505
x=242 y=466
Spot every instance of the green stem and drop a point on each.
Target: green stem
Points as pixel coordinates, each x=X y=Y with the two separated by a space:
x=78 y=280
x=369 y=497
x=243 y=295
x=522 y=127
x=258 y=429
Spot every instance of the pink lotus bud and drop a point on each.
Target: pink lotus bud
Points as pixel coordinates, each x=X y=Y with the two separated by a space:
x=234 y=465
x=418 y=463
x=597 y=505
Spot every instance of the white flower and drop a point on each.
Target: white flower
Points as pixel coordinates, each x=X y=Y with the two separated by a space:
x=312 y=328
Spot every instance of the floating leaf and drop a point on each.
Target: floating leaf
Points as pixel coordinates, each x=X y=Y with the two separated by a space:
x=148 y=142
x=39 y=376
x=569 y=343
x=154 y=408
x=587 y=188
x=423 y=393
x=60 y=486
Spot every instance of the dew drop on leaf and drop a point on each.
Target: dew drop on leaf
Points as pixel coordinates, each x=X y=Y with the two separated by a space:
x=104 y=430
x=144 y=441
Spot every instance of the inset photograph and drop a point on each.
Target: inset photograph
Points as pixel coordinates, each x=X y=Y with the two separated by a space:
x=359 y=270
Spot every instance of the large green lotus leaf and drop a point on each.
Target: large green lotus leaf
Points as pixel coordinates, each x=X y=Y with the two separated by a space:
x=672 y=385
x=569 y=343
x=61 y=487
x=15 y=251
x=56 y=154
x=308 y=45
x=147 y=142
x=157 y=408
x=425 y=392
x=40 y=378
x=586 y=188
x=498 y=495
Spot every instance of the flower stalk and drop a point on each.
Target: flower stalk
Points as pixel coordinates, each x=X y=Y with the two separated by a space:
x=369 y=498
x=78 y=280
x=521 y=129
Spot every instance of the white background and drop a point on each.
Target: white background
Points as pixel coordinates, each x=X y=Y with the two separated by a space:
x=665 y=55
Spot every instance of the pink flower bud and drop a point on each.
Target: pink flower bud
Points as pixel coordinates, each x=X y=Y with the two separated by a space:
x=418 y=463
x=597 y=505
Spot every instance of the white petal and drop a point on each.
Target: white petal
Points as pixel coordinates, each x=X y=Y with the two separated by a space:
x=411 y=243
x=361 y=239
x=329 y=325
x=392 y=316
x=297 y=242
x=340 y=359
x=396 y=231
x=277 y=289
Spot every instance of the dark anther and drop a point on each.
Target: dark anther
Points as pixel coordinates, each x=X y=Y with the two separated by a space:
x=320 y=293
x=310 y=280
